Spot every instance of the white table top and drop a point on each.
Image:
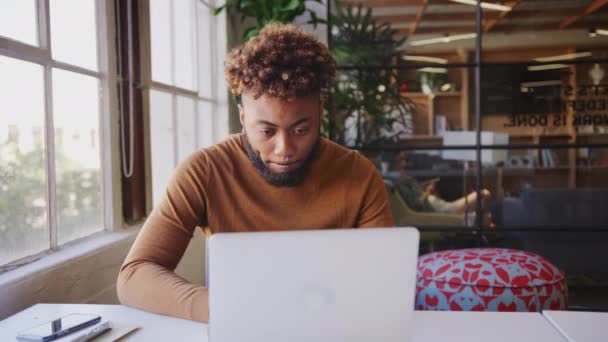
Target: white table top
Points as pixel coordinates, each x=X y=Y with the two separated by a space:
x=474 y=326
x=578 y=326
x=428 y=325
x=153 y=327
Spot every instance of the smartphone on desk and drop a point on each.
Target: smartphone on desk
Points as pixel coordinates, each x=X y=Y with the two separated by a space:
x=58 y=328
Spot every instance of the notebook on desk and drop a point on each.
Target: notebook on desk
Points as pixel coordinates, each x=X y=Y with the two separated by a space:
x=321 y=285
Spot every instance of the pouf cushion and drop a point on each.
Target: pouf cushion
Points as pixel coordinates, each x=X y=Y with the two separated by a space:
x=489 y=279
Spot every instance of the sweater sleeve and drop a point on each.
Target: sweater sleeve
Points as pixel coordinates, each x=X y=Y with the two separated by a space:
x=147 y=279
x=375 y=210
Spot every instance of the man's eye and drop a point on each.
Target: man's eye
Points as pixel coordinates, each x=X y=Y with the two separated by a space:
x=301 y=130
x=267 y=132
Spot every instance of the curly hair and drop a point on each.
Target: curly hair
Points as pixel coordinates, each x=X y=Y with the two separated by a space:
x=282 y=61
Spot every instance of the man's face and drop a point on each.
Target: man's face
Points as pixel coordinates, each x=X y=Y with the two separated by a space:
x=281 y=135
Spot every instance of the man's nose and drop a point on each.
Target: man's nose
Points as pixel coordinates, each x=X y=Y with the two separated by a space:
x=284 y=146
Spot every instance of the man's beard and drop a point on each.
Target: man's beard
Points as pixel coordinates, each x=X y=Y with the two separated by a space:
x=284 y=179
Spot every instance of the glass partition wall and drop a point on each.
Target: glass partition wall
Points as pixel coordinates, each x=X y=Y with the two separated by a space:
x=506 y=102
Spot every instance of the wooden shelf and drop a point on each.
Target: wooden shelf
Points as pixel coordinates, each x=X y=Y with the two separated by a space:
x=438 y=94
x=552 y=168
x=536 y=168
x=530 y=136
x=423 y=137
x=593 y=135
x=592 y=168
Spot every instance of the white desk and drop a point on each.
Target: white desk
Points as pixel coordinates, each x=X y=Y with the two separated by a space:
x=579 y=326
x=152 y=327
x=428 y=325
x=471 y=326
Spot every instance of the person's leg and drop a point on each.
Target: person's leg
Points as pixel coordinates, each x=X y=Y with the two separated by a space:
x=468 y=203
x=442 y=206
x=471 y=200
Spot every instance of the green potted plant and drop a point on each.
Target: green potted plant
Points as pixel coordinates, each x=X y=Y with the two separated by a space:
x=365 y=101
x=266 y=11
x=430 y=81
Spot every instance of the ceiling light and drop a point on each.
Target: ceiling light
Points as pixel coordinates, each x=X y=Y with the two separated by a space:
x=486 y=5
x=444 y=39
x=592 y=32
x=546 y=67
x=563 y=57
x=434 y=70
x=425 y=59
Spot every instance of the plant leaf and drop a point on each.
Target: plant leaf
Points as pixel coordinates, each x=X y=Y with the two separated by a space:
x=291 y=5
x=218 y=10
x=251 y=32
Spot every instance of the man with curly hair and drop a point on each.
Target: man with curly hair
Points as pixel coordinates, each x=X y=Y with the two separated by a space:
x=278 y=174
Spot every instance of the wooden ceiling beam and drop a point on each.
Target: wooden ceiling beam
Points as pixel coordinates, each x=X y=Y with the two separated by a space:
x=596 y=5
x=399 y=18
x=487 y=15
x=434 y=17
x=491 y=23
x=419 y=15
x=545 y=13
x=471 y=29
x=519 y=28
x=457 y=16
x=383 y=3
x=446 y=29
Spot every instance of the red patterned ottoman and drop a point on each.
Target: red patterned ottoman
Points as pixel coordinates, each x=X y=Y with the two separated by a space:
x=489 y=279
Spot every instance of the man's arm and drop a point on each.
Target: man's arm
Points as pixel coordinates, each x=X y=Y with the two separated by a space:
x=146 y=279
x=375 y=211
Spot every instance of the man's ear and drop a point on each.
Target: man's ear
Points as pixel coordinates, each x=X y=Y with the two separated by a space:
x=321 y=109
x=241 y=114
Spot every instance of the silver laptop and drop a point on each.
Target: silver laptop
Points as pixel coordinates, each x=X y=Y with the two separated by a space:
x=321 y=285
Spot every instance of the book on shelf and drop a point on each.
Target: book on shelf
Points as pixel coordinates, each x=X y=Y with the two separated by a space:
x=585 y=156
x=441 y=124
x=548 y=158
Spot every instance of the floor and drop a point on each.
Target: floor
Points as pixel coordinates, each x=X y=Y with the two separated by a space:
x=588 y=293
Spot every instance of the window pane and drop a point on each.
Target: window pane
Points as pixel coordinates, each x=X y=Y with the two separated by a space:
x=73 y=32
x=183 y=21
x=205 y=64
x=23 y=219
x=18 y=20
x=186 y=127
x=161 y=142
x=160 y=36
x=205 y=124
x=77 y=161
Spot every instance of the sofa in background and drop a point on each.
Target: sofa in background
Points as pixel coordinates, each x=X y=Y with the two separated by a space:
x=573 y=251
x=406 y=216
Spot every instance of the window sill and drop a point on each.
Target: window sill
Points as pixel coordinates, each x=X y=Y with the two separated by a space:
x=50 y=259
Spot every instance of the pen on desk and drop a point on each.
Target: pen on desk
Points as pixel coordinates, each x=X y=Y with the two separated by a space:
x=102 y=328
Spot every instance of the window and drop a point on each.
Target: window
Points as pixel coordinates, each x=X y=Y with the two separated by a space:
x=52 y=92
x=186 y=109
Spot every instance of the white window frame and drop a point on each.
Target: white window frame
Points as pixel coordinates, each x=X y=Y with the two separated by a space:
x=108 y=112
x=219 y=95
